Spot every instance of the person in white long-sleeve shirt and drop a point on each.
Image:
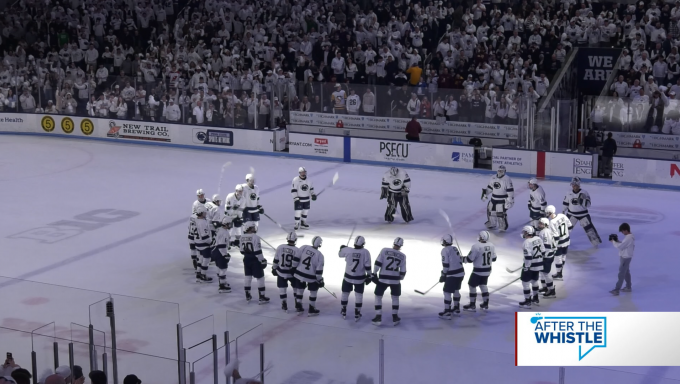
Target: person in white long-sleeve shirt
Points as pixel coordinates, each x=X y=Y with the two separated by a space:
x=620 y=86
x=626 y=248
x=199 y=112
x=413 y=105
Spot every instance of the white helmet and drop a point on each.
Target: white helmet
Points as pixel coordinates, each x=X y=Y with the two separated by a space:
x=200 y=192
x=544 y=222
x=302 y=172
x=250 y=178
x=238 y=190
x=359 y=241
x=316 y=242
x=549 y=210
x=216 y=197
x=527 y=230
x=447 y=240
x=399 y=242
x=484 y=236
x=576 y=181
x=248 y=226
x=200 y=209
x=533 y=181
x=292 y=237
x=226 y=222
x=501 y=171
x=394 y=171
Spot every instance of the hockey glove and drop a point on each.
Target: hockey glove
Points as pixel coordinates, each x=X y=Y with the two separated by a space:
x=509 y=203
x=263 y=262
x=442 y=277
x=275 y=272
x=296 y=200
x=343 y=246
x=321 y=283
x=383 y=193
x=261 y=209
x=367 y=280
x=313 y=197
x=374 y=278
x=237 y=222
x=525 y=269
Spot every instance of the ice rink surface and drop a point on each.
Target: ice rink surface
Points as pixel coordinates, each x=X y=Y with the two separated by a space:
x=139 y=248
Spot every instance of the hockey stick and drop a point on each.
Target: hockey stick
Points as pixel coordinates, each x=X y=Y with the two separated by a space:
x=335 y=180
x=351 y=234
x=425 y=293
x=513 y=271
x=446 y=217
x=265 y=241
x=332 y=294
x=498 y=289
x=279 y=225
x=219 y=186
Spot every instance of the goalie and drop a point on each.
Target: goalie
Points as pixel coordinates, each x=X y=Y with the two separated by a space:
x=502 y=199
x=396 y=185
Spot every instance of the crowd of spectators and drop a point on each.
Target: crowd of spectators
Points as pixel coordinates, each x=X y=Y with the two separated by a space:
x=12 y=373
x=644 y=97
x=248 y=63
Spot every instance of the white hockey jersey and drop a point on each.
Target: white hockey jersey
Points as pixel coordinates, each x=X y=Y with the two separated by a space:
x=392 y=266
x=451 y=262
x=212 y=215
x=302 y=189
x=500 y=188
x=196 y=204
x=233 y=207
x=308 y=264
x=481 y=256
x=533 y=253
x=283 y=260
x=559 y=226
x=353 y=103
x=250 y=246
x=577 y=203
x=396 y=183
x=251 y=197
x=203 y=236
x=338 y=98
x=192 y=229
x=548 y=242
x=222 y=240
x=537 y=201
x=357 y=264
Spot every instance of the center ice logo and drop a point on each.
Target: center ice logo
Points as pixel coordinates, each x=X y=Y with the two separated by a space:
x=586 y=332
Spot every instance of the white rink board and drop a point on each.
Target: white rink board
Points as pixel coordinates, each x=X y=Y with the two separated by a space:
x=413 y=153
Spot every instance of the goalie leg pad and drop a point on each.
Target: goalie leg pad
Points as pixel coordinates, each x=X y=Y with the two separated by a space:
x=591 y=232
x=405 y=208
x=391 y=207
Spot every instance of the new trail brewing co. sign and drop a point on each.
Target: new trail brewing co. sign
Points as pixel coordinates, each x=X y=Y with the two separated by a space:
x=595 y=65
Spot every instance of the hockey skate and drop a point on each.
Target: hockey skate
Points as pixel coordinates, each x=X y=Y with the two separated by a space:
x=543 y=290
x=484 y=306
x=558 y=276
x=297 y=226
x=357 y=315
x=304 y=225
x=446 y=315
x=614 y=292
x=472 y=307
x=525 y=304
x=248 y=296
x=490 y=225
x=195 y=263
x=377 y=320
x=343 y=312
x=224 y=288
x=395 y=320
x=312 y=311
x=284 y=306
x=550 y=294
x=455 y=311
x=201 y=278
x=534 y=300
x=298 y=308
x=263 y=300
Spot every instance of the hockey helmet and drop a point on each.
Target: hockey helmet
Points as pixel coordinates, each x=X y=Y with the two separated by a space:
x=216 y=198
x=200 y=209
x=249 y=226
x=446 y=240
x=302 y=172
x=543 y=223
x=575 y=181
x=292 y=237
x=226 y=222
x=394 y=171
x=238 y=190
x=501 y=171
x=399 y=242
x=359 y=241
x=533 y=181
x=316 y=242
x=549 y=210
x=484 y=236
x=527 y=230
x=250 y=179
x=200 y=192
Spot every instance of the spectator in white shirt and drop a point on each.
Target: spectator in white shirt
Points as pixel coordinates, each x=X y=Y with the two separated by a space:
x=198 y=112
x=338 y=66
x=626 y=248
x=620 y=86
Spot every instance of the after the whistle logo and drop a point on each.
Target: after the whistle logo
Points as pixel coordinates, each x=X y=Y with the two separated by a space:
x=586 y=332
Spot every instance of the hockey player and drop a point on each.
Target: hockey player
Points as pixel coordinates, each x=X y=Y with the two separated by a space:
x=192 y=224
x=203 y=240
x=357 y=273
x=481 y=256
x=502 y=199
x=302 y=191
x=388 y=271
x=308 y=266
x=576 y=204
x=214 y=215
x=251 y=193
x=537 y=202
x=547 y=287
x=233 y=210
x=396 y=184
x=253 y=262
x=452 y=276
x=533 y=265
x=283 y=268
x=559 y=226
x=220 y=254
